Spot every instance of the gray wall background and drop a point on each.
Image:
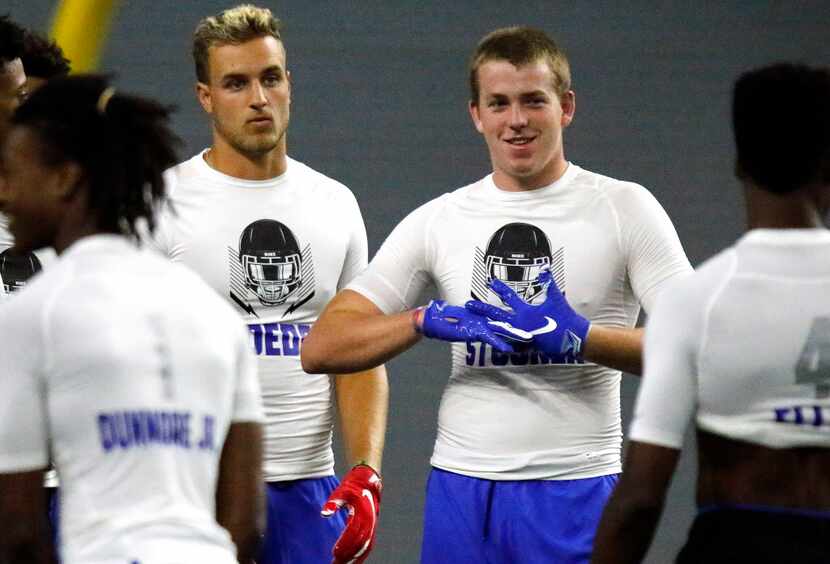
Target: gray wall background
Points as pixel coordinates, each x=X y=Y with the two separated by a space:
x=379 y=102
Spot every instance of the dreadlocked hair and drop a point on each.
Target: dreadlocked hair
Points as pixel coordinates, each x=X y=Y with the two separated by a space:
x=11 y=39
x=123 y=144
x=43 y=58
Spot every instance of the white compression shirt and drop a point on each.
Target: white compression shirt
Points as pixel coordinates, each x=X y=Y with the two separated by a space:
x=611 y=248
x=131 y=370
x=743 y=346
x=278 y=250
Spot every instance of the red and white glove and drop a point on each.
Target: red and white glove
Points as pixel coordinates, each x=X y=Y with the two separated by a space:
x=360 y=493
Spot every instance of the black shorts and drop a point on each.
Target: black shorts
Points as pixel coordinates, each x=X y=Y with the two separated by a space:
x=727 y=535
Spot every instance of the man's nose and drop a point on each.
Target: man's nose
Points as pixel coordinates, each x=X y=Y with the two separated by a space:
x=518 y=117
x=258 y=97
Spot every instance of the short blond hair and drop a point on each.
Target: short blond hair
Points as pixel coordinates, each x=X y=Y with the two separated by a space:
x=231 y=27
x=520 y=46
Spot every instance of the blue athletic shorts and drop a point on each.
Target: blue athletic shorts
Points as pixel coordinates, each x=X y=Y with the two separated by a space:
x=499 y=522
x=296 y=532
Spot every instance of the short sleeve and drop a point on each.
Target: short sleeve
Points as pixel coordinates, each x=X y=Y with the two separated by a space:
x=357 y=254
x=655 y=254
x=400 y=269
x=247 y=399
x=667 y=397
x=23 y=432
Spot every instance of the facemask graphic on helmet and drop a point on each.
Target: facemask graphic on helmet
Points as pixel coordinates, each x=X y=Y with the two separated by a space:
x=271 y=260
x=516 y=254
x=16 y=269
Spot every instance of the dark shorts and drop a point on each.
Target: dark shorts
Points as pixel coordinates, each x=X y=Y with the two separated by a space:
x=296 y=532
x=757 y=535
x=470 y=520
x=53 y=511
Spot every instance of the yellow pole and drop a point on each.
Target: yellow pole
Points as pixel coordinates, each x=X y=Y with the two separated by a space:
x=80 y=28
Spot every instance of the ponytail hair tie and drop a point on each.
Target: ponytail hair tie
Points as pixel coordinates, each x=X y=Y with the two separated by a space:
x=104 y=99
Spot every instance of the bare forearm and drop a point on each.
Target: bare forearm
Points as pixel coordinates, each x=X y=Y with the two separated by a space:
x=25 y=536
x=632 y=513
x=363 y=403
x=616 y=348
x=350 y=339
x=625 y=532
x=239 y=489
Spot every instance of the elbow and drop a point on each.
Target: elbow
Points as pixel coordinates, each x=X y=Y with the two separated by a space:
x=313 y=362
x=325 y=352
x=318 y=354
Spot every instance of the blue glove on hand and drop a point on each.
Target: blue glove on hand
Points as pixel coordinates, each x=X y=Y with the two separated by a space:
x=553 y=327
x=454 y=323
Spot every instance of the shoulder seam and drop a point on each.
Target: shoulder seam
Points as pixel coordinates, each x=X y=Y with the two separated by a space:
x=710 y=305
x=428 y=225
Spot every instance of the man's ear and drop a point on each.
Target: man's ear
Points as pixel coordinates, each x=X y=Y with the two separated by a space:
x=568 y=103
x=203 y=95
x=69 y=176
x=473 y=107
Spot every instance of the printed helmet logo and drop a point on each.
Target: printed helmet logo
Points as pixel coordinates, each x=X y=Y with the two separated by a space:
x=516 y=254
x=271 y=259
x=16 y=269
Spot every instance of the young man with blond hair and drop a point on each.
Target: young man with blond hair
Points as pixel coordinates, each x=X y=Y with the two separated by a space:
x=278 y=240
x=529 y=438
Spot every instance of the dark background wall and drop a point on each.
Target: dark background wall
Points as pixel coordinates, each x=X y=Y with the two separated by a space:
x=379 y=102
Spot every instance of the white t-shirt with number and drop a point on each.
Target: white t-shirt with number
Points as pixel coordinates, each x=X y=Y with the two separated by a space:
x=132 y=371
x=743 y=346
x=610 y=246
x=278 y=250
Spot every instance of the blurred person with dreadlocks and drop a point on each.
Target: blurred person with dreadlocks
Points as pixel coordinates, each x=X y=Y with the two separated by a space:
x=123 y=368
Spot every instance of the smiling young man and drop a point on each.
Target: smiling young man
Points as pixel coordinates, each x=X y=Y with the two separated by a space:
x=278 y=240
x=528 y=445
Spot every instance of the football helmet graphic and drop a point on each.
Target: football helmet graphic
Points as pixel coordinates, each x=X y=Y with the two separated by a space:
x=271 y=259
x=16 y=269
x=516 y=254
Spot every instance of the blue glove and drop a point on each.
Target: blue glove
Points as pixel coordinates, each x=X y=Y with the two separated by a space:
x=454 y=323
x=553 y=327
